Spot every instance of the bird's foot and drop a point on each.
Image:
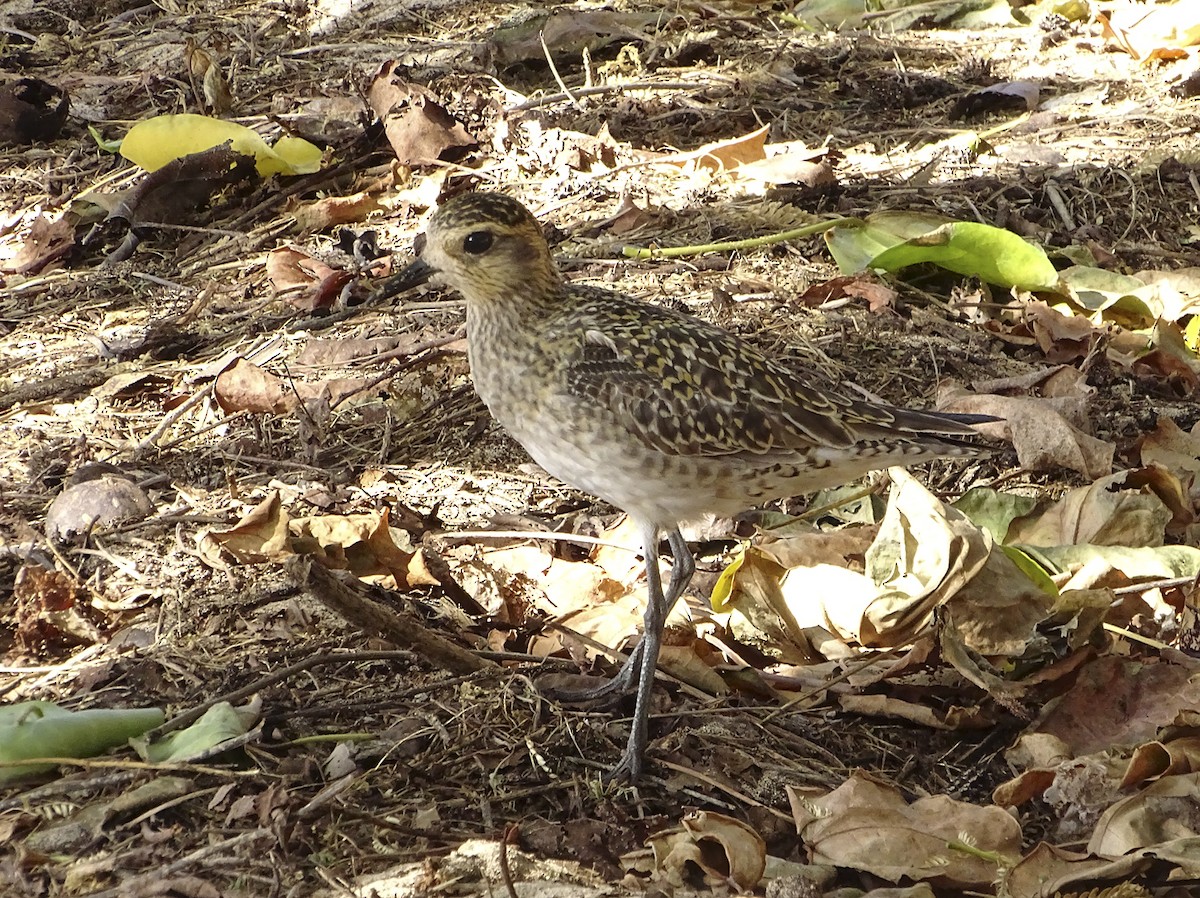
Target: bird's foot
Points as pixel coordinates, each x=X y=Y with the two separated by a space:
x=628 y=769
x=607 y=693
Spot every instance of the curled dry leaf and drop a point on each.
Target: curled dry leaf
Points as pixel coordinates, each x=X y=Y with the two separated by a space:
x=303 y=281
x=49 y=608
x=362 y=544
x=329 y=211
x=419 y=129
x=244 y=386
x=725 y=851
x=923 y=553
x=1151 y=818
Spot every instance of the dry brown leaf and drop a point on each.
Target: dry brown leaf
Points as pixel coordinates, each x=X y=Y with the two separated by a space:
x=1161 y=32
x=303 y=281
x=1173 y=448
x=1041 y=430
x=1119 y=702
x=1153 y=817
x=721 y=155
x=206 y=74
x=329 y=211
x=689 y=662
x=955 y=717
x=1117 y=510
x=245 y=387
x=1049 y=871
x=49 y=608
x=567 y=31
x=879 y=296
x=788 y=168
x=868 y=826
x=260 y=536
x=359 y=543
x=419 y=129
x=1153 y=760
x=49 y=242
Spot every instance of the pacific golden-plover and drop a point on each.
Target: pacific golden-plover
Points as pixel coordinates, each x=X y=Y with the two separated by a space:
x=656 y=412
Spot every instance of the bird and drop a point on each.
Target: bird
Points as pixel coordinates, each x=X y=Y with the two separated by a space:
x=657 y=412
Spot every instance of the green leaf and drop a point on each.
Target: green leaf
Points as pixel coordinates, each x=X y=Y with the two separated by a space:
x=44 y=730
x=894 y=240
x=993 y=510
x=976 y=250
x=1030 y=567
x=220 y=723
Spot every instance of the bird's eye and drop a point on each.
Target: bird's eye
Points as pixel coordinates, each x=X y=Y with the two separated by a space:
x=478 y=242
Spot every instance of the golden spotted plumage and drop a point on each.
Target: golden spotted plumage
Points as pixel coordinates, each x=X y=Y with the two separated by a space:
x=661 y=414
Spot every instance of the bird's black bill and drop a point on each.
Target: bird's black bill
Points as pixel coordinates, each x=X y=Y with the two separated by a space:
x=414 y=275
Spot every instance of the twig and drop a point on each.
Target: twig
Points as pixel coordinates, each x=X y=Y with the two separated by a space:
x=575 y=102
x=510 y=837
x=193 y=714
x=675 y=252
x=150 y=881
x=550 y=99
x=405 y=630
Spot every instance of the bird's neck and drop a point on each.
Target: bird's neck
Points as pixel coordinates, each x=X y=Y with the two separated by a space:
x=514 y=311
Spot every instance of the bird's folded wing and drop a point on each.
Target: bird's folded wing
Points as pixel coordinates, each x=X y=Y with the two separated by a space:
x=687 y=389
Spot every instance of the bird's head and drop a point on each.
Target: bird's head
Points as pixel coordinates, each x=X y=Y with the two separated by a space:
x=488 y=247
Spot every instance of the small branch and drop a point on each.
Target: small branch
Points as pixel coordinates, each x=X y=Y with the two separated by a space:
x=573 y=95
x=675 y=252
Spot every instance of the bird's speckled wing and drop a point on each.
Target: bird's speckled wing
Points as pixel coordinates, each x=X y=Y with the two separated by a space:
x=675 y=383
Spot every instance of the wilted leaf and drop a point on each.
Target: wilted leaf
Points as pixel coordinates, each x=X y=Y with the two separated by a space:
x=1153 y=760
x=49 y=241
x=325 y=213
x=565 y=31
x=32 y=111
x=1119 y=703
x=1042 y=430
x=923 y=553
x=302 y=281
x=1174 y=449
x=220 y=723
x=1151 y=818
x=993 y=510
x=262 y=535
x=1107 y=512
x=49 y=608
x=721 y=155
x=155 y=142
x=725 y=851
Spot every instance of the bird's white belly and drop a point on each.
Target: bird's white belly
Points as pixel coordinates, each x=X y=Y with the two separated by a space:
x=618 y=471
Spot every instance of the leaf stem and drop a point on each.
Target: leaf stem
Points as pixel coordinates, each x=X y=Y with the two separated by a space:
x=675 y=252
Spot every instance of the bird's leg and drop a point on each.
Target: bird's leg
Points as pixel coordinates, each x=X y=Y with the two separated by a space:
x=623 y=682
x=681 y=570
x=658 y=605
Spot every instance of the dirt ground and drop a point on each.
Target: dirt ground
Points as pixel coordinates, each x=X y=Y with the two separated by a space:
x=115 y=364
